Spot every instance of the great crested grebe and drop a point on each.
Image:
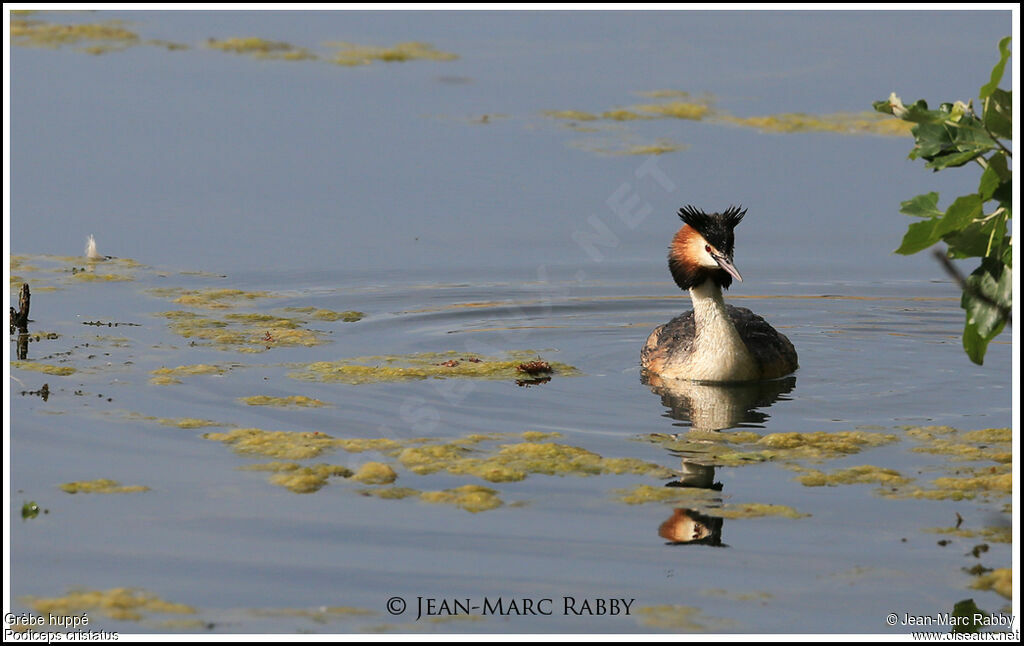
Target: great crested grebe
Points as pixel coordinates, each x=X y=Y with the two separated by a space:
x=714 y=341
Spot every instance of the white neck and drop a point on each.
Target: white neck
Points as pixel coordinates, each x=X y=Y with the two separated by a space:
x=719 y=353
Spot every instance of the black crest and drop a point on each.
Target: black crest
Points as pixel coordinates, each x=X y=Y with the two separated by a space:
x=717 y=228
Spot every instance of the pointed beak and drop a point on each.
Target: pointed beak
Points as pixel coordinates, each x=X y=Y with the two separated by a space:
x=726 y=264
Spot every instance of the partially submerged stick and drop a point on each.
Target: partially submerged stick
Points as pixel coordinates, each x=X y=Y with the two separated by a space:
x=19 y=319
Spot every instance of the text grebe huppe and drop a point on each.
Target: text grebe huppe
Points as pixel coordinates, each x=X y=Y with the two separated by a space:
x=714 y=341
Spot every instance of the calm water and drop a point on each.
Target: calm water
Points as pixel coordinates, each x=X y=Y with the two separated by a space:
x=382 y=189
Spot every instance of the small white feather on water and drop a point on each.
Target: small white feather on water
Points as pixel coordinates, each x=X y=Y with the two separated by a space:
x=90 y=249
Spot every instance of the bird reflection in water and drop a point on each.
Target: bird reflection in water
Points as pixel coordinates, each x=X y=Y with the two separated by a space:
x=709 y=408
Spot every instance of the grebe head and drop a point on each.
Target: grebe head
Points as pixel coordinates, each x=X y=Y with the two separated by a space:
x=702 y=249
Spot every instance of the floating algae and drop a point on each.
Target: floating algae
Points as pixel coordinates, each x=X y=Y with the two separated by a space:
x=285 y=445
x=103 y=485
x=472 y=498
x=513 y=462
x=703 y=500
x=676 y=104
x=348 y=316
x=676 y=110
x=309 y=479
x=361 y=444
x=427 y=365
x=1000 y=581
x=375 y=473
x=165 y=376
x=963 y=482
x=623 y=146
x=622 y=114
x=58 y=371
x=97 y=38
x=754 y=510
x=1002 y=534
x=993 y=444
x=390 y=493
x=211 y=298
x=351 y=55
x=300 y=401
x=572 y=115
x=821 y=444
x=677 y=619
x=245 y=332
x=661 y=147
x=642 y=494
x=737 y=596
x=300 y=479
x=864 y=474
x=260 y=48
x=744 y=447
x=93 y=277
x=177 y=422
x=842 y=123
x=124 y=604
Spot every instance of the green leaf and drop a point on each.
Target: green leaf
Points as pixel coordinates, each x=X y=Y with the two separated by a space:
x=922 y=235
x=990 y=181
x=998 y=113
x=998 y=163
x=968 y=613
x=997 y=71
x=950 y=143
x=922 y=206
x=987 y=299
x=919 y=236
x=974 y=345
x=918 y=112
x=951 y=160
x=979 y=239
x=964 y=210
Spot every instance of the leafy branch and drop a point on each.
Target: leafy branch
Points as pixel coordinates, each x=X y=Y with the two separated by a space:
x=974 y=225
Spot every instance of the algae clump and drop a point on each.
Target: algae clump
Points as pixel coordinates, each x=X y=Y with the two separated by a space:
x=642 y=494
x=348 y=316
x=1000 y=581
x=212 y=298
x=736 y=449
x=102 y=485
x=308 y=479
x=261 y=48
x=45 y=368
x=351 y=55
x=675 y=618
x=286 y=445
x=166 y=376
x=842 y=123
x=676 y=110
x=375 y=473
x=864 y=474
x=513 y=462
x=429 y=365
x=472 y=498
x=99 y=37
x=390 y=493
x=124 y=604
x=300 y=401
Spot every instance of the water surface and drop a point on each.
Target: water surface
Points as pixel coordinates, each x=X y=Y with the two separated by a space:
x=382 y=189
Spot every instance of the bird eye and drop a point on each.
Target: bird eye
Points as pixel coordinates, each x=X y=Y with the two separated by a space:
x=707 y=248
